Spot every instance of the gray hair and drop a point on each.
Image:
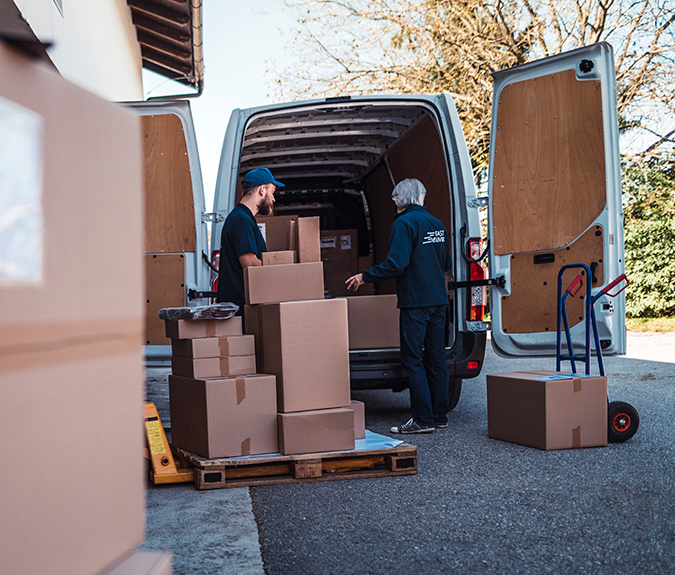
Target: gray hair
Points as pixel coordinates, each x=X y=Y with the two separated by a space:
x=409 y=191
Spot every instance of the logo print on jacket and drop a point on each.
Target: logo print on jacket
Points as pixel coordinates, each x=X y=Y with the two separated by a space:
x=434 y=237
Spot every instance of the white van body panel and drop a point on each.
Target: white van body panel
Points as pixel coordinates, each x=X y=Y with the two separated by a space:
x=610 y=313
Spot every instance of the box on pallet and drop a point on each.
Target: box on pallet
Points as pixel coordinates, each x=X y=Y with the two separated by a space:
x=305 y=344
x=359 y=409
x=290 y=282
x=316 y=431
x=547 y=410
x=373 y=322
x=214 y=346
x=196 y=328
x=213 y=366
x=224 y=417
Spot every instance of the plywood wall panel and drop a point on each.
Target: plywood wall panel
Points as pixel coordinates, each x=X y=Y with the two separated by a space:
x=165 y=275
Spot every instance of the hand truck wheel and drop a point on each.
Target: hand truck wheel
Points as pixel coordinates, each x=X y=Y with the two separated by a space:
x=622 y=421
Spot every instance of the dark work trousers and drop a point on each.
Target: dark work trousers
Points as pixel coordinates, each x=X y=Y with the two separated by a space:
x=422 y=331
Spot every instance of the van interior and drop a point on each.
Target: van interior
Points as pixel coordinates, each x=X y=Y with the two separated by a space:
x=341 y=161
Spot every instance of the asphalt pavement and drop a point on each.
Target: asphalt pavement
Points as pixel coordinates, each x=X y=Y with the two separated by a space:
x=476 y=505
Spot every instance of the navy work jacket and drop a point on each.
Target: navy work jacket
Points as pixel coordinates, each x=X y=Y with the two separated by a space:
x=419 y=256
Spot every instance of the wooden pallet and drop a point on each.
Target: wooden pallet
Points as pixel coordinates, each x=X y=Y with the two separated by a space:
x=274 y=469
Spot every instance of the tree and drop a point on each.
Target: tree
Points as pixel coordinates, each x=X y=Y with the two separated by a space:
x=649 y=210
x=429 y=46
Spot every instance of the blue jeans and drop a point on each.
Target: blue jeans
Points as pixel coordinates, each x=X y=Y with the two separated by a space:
x=422 y=331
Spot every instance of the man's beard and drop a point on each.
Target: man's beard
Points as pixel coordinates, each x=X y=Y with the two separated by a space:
x=265 y=209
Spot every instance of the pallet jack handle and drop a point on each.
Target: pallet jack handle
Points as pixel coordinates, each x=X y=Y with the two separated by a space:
x=614 y=283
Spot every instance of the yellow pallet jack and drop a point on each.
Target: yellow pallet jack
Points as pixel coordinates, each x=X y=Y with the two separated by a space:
x=165 y=469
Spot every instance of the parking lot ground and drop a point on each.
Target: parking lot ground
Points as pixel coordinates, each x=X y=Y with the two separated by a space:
x=477 y=505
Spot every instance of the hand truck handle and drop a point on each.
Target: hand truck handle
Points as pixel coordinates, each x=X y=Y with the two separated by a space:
x=577 y=280
x=617 y=281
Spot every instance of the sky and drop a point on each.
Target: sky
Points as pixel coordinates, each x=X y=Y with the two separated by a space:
x=241 y=39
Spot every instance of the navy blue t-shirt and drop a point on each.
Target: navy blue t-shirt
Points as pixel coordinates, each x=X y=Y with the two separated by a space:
x=418 y=258
x=241 y=235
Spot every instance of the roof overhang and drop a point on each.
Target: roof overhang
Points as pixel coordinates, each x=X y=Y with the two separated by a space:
x=170 y=35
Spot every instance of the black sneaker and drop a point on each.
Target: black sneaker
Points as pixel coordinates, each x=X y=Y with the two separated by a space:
x=441 y=425
x=411 y=426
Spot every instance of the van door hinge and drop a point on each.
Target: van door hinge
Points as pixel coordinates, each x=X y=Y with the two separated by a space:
x=500 y=282
x=212 y=217
x=479 y=202
x=196 y=294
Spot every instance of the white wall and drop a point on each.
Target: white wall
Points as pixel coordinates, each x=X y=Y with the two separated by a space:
x=94 y=44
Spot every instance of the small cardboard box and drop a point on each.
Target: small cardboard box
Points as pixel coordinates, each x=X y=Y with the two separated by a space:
x=305 y=344
x=276 y=258
x=283 y=233
x=359 y=409
x=547 y=409
x=195 y=328
x=316 y=431
x=227 y=346
x=339 y=254
x=373 y=322
x=276 y=230
x=213 y=366
x=224 y=417
x=290 y=282
x=308 y=240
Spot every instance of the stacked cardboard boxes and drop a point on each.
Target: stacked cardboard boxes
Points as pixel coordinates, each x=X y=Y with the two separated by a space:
x=303 y=340
x=219 y=406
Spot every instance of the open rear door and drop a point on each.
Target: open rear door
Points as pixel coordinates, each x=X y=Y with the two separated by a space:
x=555 y=198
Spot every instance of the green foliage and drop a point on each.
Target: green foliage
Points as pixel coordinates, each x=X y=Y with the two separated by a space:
x=649 y=206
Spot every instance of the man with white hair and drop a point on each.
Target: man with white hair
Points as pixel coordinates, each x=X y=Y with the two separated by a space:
x=242 y=243
x=418 y=258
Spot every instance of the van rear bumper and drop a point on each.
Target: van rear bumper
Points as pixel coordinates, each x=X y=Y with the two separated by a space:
x=382 y=369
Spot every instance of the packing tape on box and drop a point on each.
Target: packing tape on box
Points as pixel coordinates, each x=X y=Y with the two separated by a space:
x=246 y=446
x=210 y=329
x=223 y=346
x=577 y=385
x=241 y=389
x=224 y=363
x=576 y=437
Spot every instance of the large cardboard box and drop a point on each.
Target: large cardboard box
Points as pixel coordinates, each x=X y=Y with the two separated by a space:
x=339 y=254
x=214 y=346
x=224 y=417
x=277 y=232
x=547 y=409
x=316 y=431
x=196 y=328
x=305 y=344
x=290 y=282
x=373 y=322
x=71 y=325
x=213 y=366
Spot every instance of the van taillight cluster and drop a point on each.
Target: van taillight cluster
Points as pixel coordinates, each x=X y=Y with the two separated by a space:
x=477 y=272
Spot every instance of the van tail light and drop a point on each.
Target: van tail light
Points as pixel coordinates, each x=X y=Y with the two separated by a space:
x=215 y=262
x=477 y=272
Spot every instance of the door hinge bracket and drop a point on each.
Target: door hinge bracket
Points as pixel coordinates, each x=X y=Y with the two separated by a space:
x=478 y=202
x=500 y=282
x=212 y=217
x=479 y=325
x=195 y=294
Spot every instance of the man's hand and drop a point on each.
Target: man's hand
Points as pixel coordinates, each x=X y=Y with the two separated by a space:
x=248 y=260
x=355 y=282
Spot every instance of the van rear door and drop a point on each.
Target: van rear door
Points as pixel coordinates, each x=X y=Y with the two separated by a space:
x=175 y=226
x=555 y=198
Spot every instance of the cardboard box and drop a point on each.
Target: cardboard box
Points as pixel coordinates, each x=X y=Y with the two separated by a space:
x=252 y=327
x=547 y=410
x=213 y=366
x=283 y=233
x=359 y=409
x=196 y=328
x=276 y=258
x=316 y=431
x=224 y=417
x=290 y=282
x=339 y=254
x=373 y=322
x=214 y=346
x=305 y=344
x=71 y=325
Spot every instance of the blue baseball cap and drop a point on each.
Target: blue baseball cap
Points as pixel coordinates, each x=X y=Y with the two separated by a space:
x=259 y=177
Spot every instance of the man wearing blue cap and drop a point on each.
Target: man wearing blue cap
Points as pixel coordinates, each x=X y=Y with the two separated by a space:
x=242 y=243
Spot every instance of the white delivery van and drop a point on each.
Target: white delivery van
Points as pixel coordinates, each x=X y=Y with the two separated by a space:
x=554 y=198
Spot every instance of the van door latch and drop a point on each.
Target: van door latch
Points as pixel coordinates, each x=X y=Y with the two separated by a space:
x=212 y=217
x=194 y=294
x=478 y=202
x=500 y=282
